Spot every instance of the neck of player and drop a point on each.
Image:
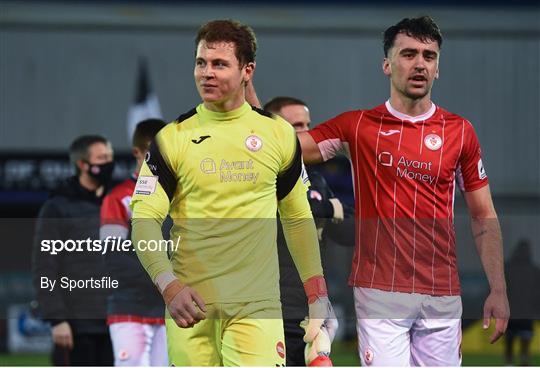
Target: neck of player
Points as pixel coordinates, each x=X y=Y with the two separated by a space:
x=225 y=106
x=409 y=106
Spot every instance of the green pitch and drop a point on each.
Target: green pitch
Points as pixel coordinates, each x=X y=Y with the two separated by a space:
x=343 y=354
x=24 y=360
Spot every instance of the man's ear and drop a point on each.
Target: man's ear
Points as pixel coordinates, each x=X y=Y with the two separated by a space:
x=249 y=70
x=136 y=152
x=437 y=73
x=386 y=66
x=81 y=165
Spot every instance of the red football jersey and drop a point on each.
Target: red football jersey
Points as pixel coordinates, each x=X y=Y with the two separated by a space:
x=115 y=207
x=405 y=172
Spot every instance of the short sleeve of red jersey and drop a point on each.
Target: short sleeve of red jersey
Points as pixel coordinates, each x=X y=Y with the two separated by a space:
x=471 y=173
x=114 y=211
x=331 y=134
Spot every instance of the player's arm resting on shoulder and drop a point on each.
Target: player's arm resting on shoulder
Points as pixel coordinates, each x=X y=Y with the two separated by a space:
x=251 y=94
x=310 y=149
x=488 y=239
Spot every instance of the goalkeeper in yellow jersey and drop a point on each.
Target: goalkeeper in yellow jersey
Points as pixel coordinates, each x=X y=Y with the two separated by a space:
x=222 y=171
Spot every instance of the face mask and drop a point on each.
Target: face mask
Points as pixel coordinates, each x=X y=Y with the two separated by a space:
x=102 y=173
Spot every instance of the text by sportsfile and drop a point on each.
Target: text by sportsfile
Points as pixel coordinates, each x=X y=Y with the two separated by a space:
x=105 y=282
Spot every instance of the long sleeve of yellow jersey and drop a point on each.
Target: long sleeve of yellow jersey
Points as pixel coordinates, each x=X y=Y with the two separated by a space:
x=147 y=219
x=300 y=232
x=150 y=205
x=295 y=214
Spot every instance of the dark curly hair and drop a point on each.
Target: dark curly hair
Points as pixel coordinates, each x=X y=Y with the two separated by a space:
x=423 y=28
x=233 y=31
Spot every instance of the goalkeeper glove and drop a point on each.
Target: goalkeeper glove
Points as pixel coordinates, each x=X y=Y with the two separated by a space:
x=321 y=312
x=317 y=352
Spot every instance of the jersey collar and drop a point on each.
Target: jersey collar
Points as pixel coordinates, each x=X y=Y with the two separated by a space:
x=229 y=115
x=412 y=119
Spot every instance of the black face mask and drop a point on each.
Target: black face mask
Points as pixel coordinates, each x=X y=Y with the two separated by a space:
x=102 y=173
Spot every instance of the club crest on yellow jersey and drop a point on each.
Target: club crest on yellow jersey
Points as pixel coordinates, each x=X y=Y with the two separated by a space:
x=253 y=143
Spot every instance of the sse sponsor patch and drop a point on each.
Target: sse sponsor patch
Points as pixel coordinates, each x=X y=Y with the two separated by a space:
x=146 y=185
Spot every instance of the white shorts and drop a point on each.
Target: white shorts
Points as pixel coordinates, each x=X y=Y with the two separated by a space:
x=403 y=329
x=139 y=344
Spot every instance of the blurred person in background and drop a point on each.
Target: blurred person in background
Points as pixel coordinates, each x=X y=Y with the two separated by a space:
x=524 y=295
x=77 y=317
x=135 y=310
x=329 y=214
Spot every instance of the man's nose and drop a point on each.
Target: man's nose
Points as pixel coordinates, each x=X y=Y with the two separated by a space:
x=207 y=71
x=420 y=63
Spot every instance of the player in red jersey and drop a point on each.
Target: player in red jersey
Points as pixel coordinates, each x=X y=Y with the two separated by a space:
x=135 y=310
x=408 y=155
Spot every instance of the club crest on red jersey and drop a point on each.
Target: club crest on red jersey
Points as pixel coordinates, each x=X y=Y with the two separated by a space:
x=253 y=143
x=433 y=142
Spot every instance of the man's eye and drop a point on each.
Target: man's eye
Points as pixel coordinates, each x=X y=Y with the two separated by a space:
x=199 y=63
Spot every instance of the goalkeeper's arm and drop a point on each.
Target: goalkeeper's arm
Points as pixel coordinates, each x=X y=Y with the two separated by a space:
x=301 y=236
x=300 y=232
x=149 y=212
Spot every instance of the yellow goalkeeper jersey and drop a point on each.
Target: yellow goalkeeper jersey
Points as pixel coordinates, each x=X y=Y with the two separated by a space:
x=220 y=176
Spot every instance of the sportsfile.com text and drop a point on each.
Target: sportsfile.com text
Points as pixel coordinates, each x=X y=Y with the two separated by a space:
x=109 y=244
